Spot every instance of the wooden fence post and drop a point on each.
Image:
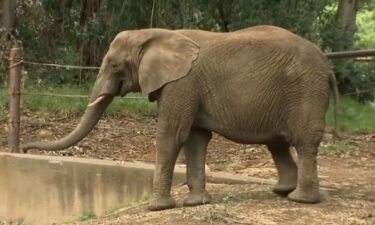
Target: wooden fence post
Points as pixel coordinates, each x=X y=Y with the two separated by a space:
x=15 y=69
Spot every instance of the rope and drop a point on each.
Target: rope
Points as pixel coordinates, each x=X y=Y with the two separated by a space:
x=145 y=98
x=358 y=92
x=22 y=61
x=332 y=55
x=15 y=64
x=55 y=95
x=72 y=96
x=97 y=127
x=62 y=66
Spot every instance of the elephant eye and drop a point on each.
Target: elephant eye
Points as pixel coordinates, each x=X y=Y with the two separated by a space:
x=115 y=68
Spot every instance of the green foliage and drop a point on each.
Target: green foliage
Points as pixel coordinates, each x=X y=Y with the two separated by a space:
x=3 y=102
x=297 y=16
x=69 y=32
x=363 y=73
x=14 y=222
x=352 y=76
x=220 y=166
x=124 y=106
x=43 y=28
x=59 y=32
x=354 y=117
x=56 y=104
x=356 y=77
x=77 y=106
x=365 y=34
x=340 y=148
x=144 y=199
x=86 y=216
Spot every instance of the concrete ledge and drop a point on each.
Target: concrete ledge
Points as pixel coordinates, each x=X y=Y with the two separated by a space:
x=230 y=178
x=50 y=189
x=43 y=190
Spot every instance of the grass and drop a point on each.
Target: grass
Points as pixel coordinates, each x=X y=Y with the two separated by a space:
x=3 y=102
x=340 y=148
x=220 y=166
x=146 y=198
x=16 y=222
x=86 y=216
x=63 y=105
x=354 y=117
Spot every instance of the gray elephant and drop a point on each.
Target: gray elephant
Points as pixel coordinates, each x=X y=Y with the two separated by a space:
x=261 y=85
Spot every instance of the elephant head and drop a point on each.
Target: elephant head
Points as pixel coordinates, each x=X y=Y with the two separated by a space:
x=137 y=61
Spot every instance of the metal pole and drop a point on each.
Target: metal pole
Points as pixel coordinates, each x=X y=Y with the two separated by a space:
x=15 y=69
x=351 y=54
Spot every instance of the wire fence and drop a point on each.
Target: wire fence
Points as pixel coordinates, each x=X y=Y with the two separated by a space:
x=359 y=92
x=21 y=61
x=67 y=125
x=71 y=96
x=60 y=66
x=16 y=63
x=359 y=56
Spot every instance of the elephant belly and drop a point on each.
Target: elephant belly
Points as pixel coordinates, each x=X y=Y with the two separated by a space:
x=246 y=137
x=240 y=135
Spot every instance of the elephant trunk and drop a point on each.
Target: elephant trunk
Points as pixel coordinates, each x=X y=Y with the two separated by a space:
x=91 y=117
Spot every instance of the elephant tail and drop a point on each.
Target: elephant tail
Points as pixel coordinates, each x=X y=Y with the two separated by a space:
x=335 y=93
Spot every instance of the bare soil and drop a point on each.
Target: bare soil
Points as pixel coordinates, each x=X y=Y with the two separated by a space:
x=347 y=175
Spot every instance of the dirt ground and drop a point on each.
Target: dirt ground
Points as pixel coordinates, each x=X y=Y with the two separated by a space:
x=347 y=175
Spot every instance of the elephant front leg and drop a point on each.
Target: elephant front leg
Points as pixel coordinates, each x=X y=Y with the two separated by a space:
x=166 y=154
x=176 y=112
x=195 y=151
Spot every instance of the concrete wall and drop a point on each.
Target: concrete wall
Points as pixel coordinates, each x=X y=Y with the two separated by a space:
x=42 y=190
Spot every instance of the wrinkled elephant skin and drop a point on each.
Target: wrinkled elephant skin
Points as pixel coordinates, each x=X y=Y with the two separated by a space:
x=261 y=85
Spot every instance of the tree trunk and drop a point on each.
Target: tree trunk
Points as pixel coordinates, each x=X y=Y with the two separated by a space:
x=61 y=20
x=344 y=33
x=224 y=14
x=7 y=40
x=9 y=15
x=89 y=48
x=346 y=26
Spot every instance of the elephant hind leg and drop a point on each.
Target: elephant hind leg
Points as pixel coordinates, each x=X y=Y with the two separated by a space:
x=309 y=138
x=307 y=190
x=285 y=165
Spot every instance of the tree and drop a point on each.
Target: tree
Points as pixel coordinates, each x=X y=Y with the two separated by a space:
x=346 y=24
x=344 y=38
x=7 y=32
x=79 y=32
x=223 y=13
x=90 y=53
x=9 y=15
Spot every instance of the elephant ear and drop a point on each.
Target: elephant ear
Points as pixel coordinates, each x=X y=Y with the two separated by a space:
x=167 y=56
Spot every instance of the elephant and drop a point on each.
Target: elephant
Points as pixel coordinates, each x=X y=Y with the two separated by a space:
x=260 y=85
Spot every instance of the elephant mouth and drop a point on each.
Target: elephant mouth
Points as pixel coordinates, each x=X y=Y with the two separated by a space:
x=123 y=89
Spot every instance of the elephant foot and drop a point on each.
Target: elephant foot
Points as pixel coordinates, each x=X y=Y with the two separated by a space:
x=283 y=189
x=197 y=199
x=162 y=204
x=304 y=197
